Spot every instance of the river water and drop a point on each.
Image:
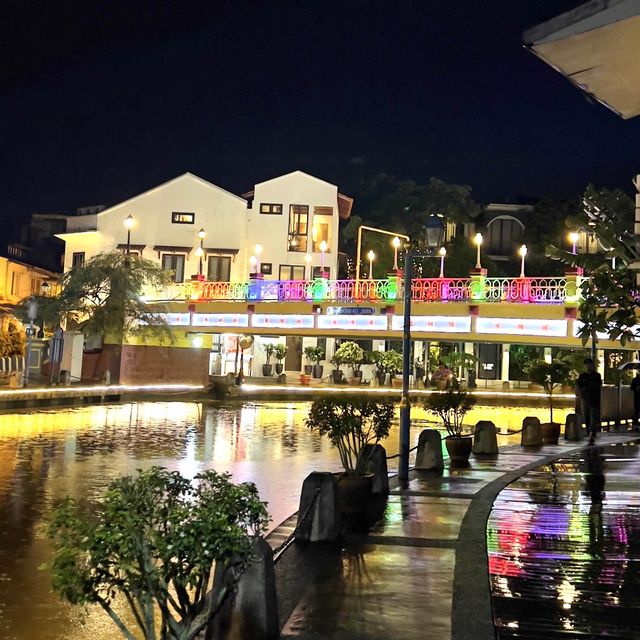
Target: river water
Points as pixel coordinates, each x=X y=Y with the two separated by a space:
x=46 y=455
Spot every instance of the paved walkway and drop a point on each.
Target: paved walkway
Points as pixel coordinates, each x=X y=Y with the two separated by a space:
x=398 y=582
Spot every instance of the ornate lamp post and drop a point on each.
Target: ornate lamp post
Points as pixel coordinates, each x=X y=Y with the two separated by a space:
x=200 y=252
x=443 y=253
x=323 y=249
x=478 y=242
x=574 y=236
x=128 y=222
x=396 y=244
x=523 y=253
x=371 y=257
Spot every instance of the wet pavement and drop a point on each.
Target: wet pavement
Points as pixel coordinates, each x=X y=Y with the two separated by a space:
x=564 y=548
x=398 y=580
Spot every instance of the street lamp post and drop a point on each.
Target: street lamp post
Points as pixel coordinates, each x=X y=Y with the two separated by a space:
x=128 y=223
x=405 y=403
x=200 y=251
x=396 y=243
x=478 y=242
x=443 y=253
x=32 y=314
x=523 y=253
x=574 y=236
x=323 y=249
x=258 y=252
x=371 y=257
x=252 y=265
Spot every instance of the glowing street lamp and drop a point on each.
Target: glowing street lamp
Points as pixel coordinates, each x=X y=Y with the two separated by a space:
x=574 y=236
x=371 y=257
x=128 y=222
x=523 y=253
x=396 y=243
x=478 y=242
x=253 y=261
x=258 y=251
x=323 y=249
x=443 y=253
x=200 y=251
x=307 y=268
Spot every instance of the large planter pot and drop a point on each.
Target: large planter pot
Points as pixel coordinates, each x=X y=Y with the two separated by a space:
x=279 y=368
x=354 y=492
x=355 y=382
x=459 y=450
x=550 y=432
x=305 y=379
x=317 y=371
x=336 y=374
x=308 y=369
x=357 y=374
x=396 y=382
x=381 y=377
x=267 y=370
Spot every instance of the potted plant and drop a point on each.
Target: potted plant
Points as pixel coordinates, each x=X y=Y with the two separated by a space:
x=337 y=362
x=377 y=358
x=269 y=349
x=351 y=423
x=451 y=406
x=353 y=354
x=316 y=355
x=280 y=353
x=308 y=368
x=392 y=364
x=550 y=376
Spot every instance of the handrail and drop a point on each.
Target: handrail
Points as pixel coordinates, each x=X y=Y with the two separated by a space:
x=552 y=290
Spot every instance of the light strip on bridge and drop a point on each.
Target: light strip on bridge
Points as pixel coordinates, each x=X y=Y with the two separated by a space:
x=100 y=389
x=434 y=324
x=219 y=320
x=522 y=326
x=272 y=320
x=360 y=323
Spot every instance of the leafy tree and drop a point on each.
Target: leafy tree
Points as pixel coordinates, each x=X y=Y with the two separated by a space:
x=550 y=376
x=156 y=540
x=351 y=423
x=104 y=297
x=350 y=353
x=451 y=406
x=12 y=341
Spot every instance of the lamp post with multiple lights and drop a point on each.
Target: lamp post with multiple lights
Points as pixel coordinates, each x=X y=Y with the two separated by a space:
x=574 y=236
x=522 y=252
x=200 y=252
x=443 y=254
x=478 y=242
x=371 y=256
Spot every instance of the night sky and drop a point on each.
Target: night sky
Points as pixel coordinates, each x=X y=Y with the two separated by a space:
x=103 y=100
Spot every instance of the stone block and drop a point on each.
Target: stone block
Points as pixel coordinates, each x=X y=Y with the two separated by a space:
x=255 y=609
x=429 y=452
x=319 y=517
x=485 y=438
x=573 y=427
x=531 y=432
x=377 y=464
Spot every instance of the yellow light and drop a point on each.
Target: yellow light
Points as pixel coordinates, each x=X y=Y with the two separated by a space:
x=201 y=234
x=307 y=258
x=443 y=252
x=371 y=256
x=197 y=342
x=396 y=242
x=478 y=239
x=253 y=261
x=522 y=251
x=324 y=246
x=574 y=236
x=258 y=249
x=128 y=221
x=199 y=251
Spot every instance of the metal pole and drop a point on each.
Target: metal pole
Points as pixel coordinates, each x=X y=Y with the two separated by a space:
x=358 y=250
x=128 y=241
x=25 y=377
x=405 y=403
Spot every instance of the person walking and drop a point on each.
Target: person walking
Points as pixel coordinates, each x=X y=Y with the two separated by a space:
x=635 y=389
x=589 y=387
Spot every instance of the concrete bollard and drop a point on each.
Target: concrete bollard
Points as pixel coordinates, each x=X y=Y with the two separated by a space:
x=378 y=466
x=573 y=427
x=255 y=609
x=485 y=439
x=319 y=517
x=531 y=432
x=429 y=453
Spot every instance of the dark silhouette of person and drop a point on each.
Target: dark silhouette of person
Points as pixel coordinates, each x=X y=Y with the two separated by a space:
x=635 y=389
x=589 y=386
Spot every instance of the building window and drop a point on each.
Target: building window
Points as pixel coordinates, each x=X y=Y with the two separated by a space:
x=270 y=209
x=504 y=235
x=77 y=259
x=35 y=286
x=266 y=268
x=291 y=272
x=219 y=269
x=173 y=263
x=298 y=227
x=15 y=283
x=180 y=217
x=322 y=225
x=317 y=272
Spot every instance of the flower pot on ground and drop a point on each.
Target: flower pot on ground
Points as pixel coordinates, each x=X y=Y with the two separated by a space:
x=269 y=349
x=336 y=376
x=377 y=358
x=308 y=369
x=356 y=378
x=350 y=353
x=305 y=379
x=451 y=406
x=550 y=432
x=316 y=356
x=337 y=362
x=267 y=370
x=550 y=376
x=351 y=423
x=381 y=376
x=279 y=368
x=280 y=352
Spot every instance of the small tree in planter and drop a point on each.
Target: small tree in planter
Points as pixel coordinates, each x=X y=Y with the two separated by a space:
x=392 y=363
x=316 y=355
x=157 y=539
x=269 y=350
x=280 y=353
x=377 y=358
x=353 y=354
x=352 y=423
x=550 y=376
x=451 y=406
x=337 y=362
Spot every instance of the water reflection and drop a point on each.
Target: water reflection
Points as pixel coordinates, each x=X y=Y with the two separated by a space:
x=564 y=554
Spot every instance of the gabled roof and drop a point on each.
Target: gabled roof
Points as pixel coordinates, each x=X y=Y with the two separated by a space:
x=166 y=184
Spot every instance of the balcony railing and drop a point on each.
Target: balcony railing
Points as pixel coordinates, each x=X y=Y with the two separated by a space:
x=556 y=290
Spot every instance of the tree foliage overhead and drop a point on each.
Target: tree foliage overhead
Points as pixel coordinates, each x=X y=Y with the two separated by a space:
x=156 y=541
x=104 y=297
x=12 y=341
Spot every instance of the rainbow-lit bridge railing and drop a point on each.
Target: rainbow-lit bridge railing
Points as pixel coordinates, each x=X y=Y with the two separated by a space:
x=554 y=290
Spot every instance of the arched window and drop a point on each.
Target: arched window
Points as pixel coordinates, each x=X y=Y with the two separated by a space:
x=504 y=234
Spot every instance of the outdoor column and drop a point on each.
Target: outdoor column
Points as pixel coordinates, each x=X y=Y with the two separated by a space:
x=505 y=363
x=636 y=227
